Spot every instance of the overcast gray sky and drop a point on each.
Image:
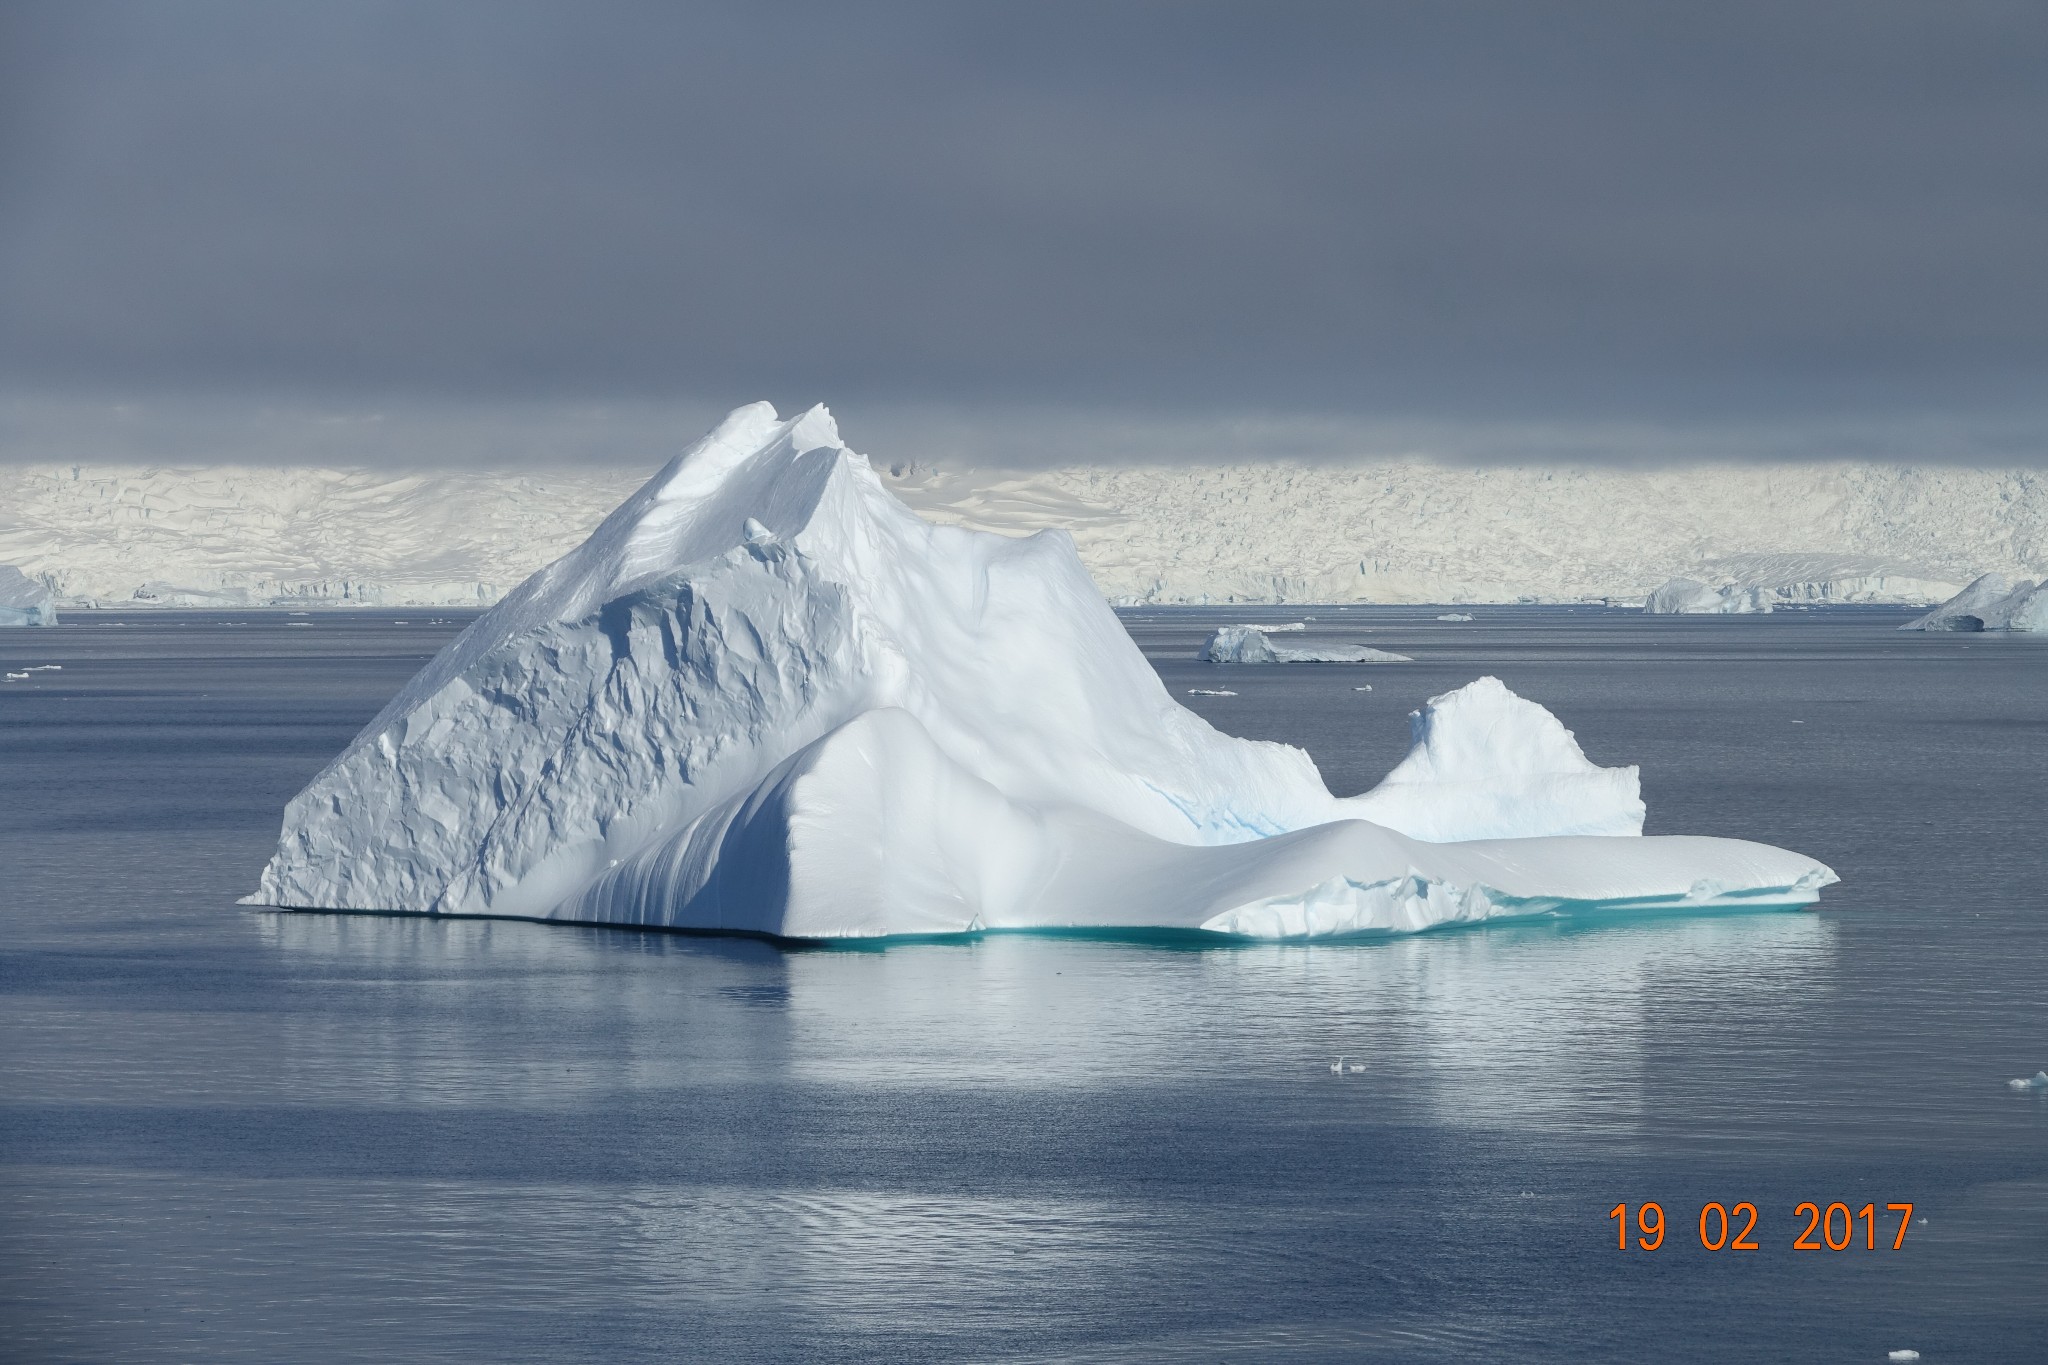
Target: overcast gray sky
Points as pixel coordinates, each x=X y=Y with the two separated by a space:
x=1518 y=230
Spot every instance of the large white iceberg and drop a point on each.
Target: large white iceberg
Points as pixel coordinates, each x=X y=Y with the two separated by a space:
x=1990 y=603
x=1249 y=645
x=764 y=696
x=1690 y=597
x=24 y=601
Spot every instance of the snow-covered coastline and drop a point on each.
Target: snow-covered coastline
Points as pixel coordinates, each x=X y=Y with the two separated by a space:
x=1391 y=531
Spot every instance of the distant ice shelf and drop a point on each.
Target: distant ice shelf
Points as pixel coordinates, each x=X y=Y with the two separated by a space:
x=766 y=697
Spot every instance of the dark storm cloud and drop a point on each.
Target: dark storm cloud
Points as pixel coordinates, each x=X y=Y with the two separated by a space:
x=1755 y=217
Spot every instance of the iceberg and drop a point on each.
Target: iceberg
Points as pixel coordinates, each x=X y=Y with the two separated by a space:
x=766 y=697
x=1990 y=602
x=1689 y=596
x=1249 y=645
x=24 y=601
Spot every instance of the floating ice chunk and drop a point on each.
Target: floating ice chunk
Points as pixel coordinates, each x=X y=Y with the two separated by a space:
x=2038 y=1081
x=1990 y=603
x=1456 y=616
x=1210 y=692
x=17 y=677
x=1688 y=596
x=25 y=601
x=866 y=725
x=1366 y=687
x=1249 y=645
x=1903 y=1356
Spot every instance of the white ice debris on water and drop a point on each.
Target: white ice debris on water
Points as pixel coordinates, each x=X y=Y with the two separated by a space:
x=1990 y=603
x=1455 y=616
x=1249 y=645
x=1210 y=692
x=1686 y=596
x=2039 y=1081
x=17 y=677
x=1903 y=1356
x=25 y=601
x=860 y=724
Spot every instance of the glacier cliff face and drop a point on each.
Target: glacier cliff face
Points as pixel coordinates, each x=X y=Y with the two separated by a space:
x=765 y=696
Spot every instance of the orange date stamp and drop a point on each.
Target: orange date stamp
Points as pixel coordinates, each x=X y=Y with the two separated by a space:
x=1724 y=1227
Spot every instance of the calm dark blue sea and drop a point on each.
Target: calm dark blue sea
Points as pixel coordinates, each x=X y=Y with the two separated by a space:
x=235 y=1135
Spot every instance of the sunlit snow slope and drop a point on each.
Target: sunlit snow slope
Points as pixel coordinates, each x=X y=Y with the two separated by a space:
x=765 y=696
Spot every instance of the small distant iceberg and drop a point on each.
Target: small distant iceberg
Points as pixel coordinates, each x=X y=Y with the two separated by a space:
x=1456 y=616
x=1990 y=603
x=161 y=594
x=1249 y=645
x=25 y=601
x=2038 y=1081
x=1690 y=597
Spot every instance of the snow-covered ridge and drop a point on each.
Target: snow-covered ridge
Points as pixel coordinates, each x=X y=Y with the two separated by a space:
x=765 y=696
x=1386 y=531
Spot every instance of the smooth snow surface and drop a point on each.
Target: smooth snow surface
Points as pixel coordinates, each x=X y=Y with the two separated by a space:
x=24 y=601
x=1249 y=645
x=1990 y=603
x=764 y=696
